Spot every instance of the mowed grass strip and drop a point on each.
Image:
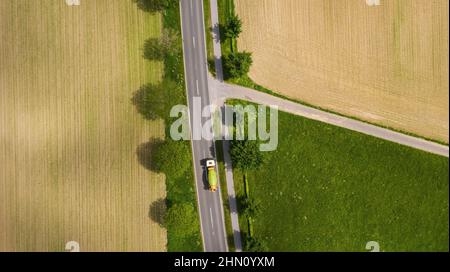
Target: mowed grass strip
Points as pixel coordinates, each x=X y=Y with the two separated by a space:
x=68 y=131
x=330 y=189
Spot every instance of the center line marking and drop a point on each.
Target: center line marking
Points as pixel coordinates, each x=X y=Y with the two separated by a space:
x=193 y=41
x=210 y=213
x=196 y=81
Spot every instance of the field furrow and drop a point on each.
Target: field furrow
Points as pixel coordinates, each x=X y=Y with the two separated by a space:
x=68 y=130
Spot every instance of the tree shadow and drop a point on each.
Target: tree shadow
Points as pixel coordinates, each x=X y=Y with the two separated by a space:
x=218 y=32
x=219 y=150
x=153 y=50
x=225 y=70
x=212 y=66
x=240 y=202
x=145 y=153
x=149 y=5
x=139 y=101
x=236 y=233
x=149 y=101
x=157 y=211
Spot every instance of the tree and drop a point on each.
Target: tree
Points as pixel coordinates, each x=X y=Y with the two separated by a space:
x=160 y=48
x=253 y=244
x=172 y=158
x=181 y=218
x=250 y=207
x=149 y=101
x=155 y=5
x=246 y=155
x=233 y=27
x=238 y=64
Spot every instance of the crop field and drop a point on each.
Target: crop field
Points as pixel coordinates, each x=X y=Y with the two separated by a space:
x=385 y=64
x=326 y=188
x=69 y=133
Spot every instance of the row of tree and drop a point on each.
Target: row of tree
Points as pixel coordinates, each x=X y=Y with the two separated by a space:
x=237 y=64
x=170 y=157
x=246 y=157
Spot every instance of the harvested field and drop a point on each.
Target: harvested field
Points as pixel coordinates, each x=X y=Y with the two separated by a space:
x=68 y=131
x=385 y=64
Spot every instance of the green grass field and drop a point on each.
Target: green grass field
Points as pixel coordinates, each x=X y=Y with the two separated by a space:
x=209 y=37
x=331 y=189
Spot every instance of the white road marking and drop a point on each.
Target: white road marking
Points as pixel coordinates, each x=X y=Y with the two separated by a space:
x=210 y=213
x=196 y=81
x=193 y=41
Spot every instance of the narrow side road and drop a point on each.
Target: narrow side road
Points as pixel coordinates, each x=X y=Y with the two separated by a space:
x=225 y=144
x=223 y=91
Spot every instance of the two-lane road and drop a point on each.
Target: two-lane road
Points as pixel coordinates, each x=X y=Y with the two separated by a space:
x=196 y=73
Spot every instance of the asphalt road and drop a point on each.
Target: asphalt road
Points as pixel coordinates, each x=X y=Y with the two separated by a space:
x=221 y=91
x=196 y=73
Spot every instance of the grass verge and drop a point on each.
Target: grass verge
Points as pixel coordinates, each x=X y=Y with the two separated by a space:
x=226 y=203
x=209 y=37
x=226 y=10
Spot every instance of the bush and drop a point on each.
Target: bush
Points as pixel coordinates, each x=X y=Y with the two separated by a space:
x=158 y=49
x=246 y=155
x=182 y=216
x=238 y=64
